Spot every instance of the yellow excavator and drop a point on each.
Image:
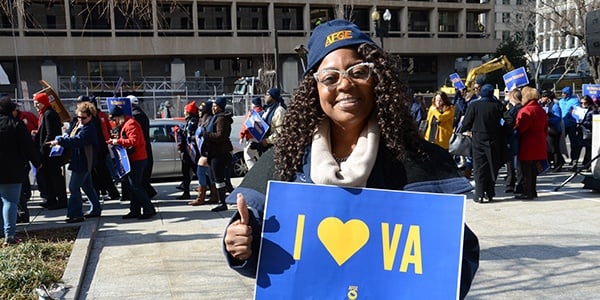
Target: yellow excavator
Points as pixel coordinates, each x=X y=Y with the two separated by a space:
x=492 y=65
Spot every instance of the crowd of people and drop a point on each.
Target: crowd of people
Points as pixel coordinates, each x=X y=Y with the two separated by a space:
x=351 y=123
x=523 y=133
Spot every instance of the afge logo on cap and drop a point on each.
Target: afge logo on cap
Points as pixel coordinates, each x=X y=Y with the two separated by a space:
x=338 y=36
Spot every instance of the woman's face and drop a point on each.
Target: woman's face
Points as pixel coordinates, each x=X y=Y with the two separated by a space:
x=437 y=101
x=83 y=117
x=351 y=101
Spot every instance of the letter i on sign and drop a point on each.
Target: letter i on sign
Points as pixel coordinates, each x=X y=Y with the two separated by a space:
x=299 y=236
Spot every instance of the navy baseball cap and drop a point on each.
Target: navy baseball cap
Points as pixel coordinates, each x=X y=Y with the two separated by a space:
x=333 y=35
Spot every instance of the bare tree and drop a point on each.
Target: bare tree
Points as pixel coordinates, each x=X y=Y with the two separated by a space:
x=567 y=20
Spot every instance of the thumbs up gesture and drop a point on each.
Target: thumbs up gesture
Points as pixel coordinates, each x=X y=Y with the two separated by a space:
x=238 y=236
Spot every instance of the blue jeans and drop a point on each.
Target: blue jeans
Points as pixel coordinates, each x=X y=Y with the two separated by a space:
x=204 y=176
x=10 y=194
x=139 y=198
x=82 y=180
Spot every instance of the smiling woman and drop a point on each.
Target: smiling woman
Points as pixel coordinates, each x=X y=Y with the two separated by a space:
x=348 y=125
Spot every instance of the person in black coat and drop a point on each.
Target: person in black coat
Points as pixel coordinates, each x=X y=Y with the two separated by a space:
x=16 y=152
x=49 y=128
x=483 y=119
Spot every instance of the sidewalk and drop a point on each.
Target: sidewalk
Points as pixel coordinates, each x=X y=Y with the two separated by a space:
x=548 y=248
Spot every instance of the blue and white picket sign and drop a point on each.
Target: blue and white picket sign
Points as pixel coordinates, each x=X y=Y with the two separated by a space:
x=456 y=81
x=123 y=102
x=120 y=160
x=328 y=242
x=256 y=125
x=592 y=90
x=516 y=78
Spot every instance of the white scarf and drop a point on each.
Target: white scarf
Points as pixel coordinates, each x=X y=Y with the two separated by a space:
x=353 y=172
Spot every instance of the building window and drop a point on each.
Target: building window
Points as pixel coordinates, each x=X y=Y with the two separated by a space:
x=505 y=18
x=418 y=20
x=112 y=70
x=130 y=24
x=519 y=2
x=88 y=19
x=505 y=35
x=252 y=18
x=448 y=21
x=174 y=16
x=506 y=2
x=320 y=15
x=288 y=18
x=43 y=15
x=212 y=18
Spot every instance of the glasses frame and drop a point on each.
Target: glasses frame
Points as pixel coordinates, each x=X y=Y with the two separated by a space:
x=83 y=118
x=345 y=73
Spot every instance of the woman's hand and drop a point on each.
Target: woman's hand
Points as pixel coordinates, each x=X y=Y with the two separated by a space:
x=238 y=237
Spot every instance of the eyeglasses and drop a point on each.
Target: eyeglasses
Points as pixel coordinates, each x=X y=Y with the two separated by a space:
x=82 y=117
x=331 y=78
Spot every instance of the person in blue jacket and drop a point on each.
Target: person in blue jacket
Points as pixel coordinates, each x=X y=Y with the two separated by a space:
x=348 y=125
x=83 y=140
x=567 y=103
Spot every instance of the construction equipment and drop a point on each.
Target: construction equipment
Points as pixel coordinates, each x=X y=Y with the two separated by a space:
x=494 y=64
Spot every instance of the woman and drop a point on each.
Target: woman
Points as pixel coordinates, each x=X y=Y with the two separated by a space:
x=532 y=127
x=440 y=117
x=584 y=132
x=219 y=147
x=83 y=140
x=186 y=137
x=16 y=152
x=205 y=181
x=514 y=180
x=131 y=136
x=349 y=125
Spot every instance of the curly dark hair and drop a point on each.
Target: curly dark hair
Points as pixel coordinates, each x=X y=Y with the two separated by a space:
x=399 y=132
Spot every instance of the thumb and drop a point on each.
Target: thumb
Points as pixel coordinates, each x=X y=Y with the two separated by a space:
x=242 y=209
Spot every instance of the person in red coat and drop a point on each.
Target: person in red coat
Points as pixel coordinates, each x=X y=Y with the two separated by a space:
x=532 y=127
x=132 y=137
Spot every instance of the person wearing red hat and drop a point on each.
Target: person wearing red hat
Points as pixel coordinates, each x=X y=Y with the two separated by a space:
x=187 y=147
x=50 y=126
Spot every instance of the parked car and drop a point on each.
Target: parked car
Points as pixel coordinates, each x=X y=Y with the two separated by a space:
x=167 y=161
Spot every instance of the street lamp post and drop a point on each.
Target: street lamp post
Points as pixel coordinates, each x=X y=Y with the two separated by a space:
x=382 y=27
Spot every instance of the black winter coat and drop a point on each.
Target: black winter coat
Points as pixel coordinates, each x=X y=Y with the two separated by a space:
x=16 y=150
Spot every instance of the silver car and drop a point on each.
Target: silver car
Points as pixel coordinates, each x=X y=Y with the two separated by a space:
x=167 y=160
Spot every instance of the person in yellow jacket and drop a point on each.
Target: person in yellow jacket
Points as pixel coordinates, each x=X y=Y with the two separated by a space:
x=439 y=120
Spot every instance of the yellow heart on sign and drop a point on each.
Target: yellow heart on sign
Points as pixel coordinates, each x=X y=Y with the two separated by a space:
x=342 y=240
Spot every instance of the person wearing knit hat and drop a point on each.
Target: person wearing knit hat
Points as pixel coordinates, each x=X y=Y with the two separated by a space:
x=350 y=127
x=191 y=108
x=256 y=101
x=216 y=140
x=131 y=137
x=221 y=102
x=567 y=104
x=187 y=147
x=50 y=126
x=41 y=98
x=274 y=113
x=133 y=99
x=140 y=116
x=251 y=151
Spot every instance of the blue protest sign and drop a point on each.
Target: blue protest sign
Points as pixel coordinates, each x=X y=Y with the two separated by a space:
x=120 y=160
x=456 y=81
x=123 y=102
x=592 y=90
x=515 y=78
x=327 y=242
x=256 y=125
